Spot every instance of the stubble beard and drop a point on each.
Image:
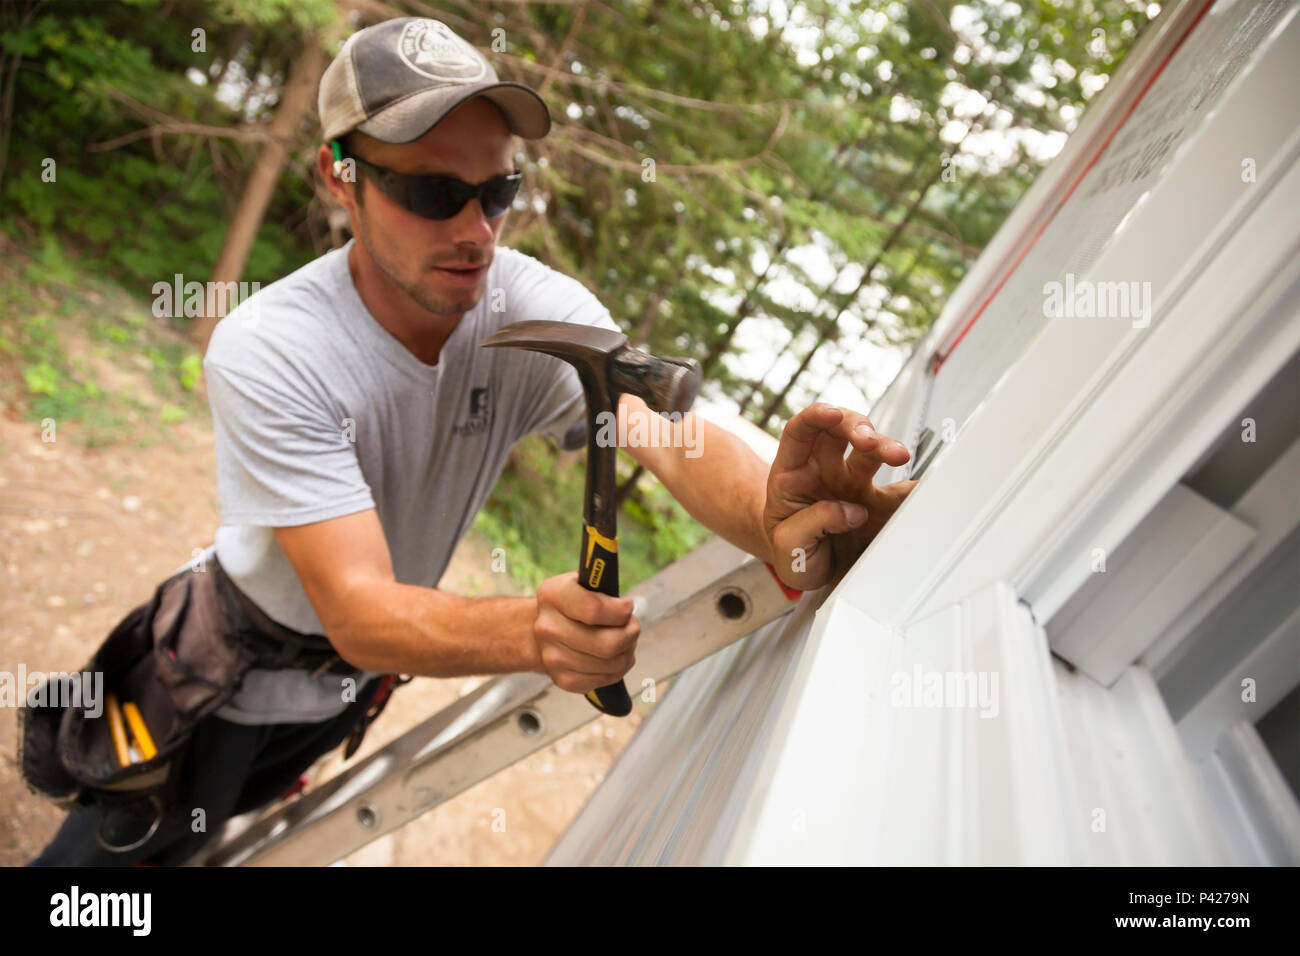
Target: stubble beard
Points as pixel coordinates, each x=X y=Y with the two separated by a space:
x=454 y=302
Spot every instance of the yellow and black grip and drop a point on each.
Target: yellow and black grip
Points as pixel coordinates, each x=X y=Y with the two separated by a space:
x=598 y=571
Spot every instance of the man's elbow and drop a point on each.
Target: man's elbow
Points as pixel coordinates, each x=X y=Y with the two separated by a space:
x=348 y=620
x=353 y=651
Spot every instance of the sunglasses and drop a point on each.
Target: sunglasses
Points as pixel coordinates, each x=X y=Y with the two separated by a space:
x=438 y=197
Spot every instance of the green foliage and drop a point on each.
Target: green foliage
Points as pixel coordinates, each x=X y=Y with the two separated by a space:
x=189 y=369
x=60 y=325
x=655 y=531
x=143 y=208
x=535 y=514
x=54 y=385
x=51 y=264
x=174 y=364
x=41 y=379
x=302 y=14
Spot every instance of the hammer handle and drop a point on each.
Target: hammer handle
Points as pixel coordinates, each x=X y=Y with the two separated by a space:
x=599 y=572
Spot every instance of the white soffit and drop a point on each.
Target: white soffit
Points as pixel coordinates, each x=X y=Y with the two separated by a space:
x=1177 y=552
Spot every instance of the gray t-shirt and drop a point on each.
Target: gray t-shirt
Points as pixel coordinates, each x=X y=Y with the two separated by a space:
x=318 y=412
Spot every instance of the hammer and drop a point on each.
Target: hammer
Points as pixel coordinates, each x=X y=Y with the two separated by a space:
x=607 y=366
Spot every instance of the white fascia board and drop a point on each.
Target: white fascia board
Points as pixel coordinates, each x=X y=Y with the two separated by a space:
x=817 y=793
x=1037 y=765
x=1076 y=444
x=984 y=778
x=1098 y=420
x=977 y=774
x=1140 y=796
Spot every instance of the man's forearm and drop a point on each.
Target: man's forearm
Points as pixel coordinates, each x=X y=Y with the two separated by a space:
x=406 y=629
x=417 y=630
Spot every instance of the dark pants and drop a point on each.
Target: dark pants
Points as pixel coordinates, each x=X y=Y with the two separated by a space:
x=230 y=769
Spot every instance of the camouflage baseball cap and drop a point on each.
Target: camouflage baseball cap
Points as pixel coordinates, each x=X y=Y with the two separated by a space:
x=395 y=80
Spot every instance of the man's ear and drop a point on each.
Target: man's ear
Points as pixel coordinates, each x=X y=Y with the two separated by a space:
x=341 y=169
x=325 y=166
x=346 y=210
x=335 y=172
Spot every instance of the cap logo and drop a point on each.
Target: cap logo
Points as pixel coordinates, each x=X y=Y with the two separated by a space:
x=430 y=48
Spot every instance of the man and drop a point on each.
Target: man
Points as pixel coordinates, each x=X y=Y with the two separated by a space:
x=359 y=427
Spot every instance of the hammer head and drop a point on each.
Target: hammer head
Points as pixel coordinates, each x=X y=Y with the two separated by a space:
x=607 y=364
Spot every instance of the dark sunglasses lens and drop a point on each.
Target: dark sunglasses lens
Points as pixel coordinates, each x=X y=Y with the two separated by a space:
x=498 y=194
x=436 y=198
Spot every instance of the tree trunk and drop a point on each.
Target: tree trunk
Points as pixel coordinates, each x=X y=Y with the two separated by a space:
x=766 y=414
x=756 y=387
x=723 y=342
x=295 y=97
x=650 y=315
x=623 y=491
x=902 y=278
x=824 y=333
x=719 y=347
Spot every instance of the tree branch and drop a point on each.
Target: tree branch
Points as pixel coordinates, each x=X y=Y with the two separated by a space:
x=165 y=123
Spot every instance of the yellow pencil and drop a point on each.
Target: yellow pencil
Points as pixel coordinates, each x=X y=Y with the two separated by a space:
x=139 y=729
x=118 y=730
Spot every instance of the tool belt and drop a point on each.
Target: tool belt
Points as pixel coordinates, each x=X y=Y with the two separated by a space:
x=176 y=658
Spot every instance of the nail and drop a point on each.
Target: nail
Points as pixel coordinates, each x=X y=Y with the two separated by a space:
x=865 y=430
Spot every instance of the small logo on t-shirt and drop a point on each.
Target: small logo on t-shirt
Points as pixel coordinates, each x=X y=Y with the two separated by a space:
x=480 y=413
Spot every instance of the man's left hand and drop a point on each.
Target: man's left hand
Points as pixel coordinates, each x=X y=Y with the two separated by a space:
x=823 y=508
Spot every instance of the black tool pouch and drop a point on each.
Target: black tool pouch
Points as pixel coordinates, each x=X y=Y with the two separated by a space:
x=178 y=657
x=162 y=657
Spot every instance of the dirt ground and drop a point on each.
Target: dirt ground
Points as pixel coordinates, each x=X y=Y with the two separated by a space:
x=87 y=533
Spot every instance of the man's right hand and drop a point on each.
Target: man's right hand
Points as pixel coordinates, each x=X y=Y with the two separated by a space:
x=585 y=639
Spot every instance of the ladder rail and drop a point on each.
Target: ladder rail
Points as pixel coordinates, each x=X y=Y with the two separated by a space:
x=698 y=605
